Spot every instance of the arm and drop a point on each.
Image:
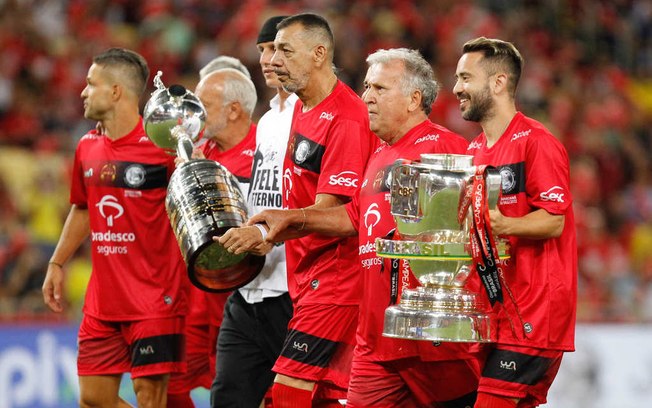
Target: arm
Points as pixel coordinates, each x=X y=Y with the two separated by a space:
x=327 y=216
x=75 y=230
x=539 y=224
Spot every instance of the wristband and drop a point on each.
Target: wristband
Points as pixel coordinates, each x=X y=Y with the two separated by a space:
x=263 y=230
x=55 y=263
x=303 y=225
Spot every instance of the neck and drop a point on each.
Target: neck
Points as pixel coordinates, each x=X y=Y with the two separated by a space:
x=119 y=124
x=406 y=126
x=233 y=134
x=282 y=97
x=495 y=126
x=321 y=88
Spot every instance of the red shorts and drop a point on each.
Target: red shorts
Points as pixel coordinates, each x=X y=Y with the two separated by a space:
x=201 y=342
x=319 y=347
x=410 y=382
x=520 y=372
x=141 y=347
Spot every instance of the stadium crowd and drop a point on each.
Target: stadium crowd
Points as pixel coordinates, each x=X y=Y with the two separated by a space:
x=588 y=79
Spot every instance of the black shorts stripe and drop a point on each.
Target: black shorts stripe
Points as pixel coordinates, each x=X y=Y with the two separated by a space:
x=308 y=349
x=167 y=348
x=516 y=367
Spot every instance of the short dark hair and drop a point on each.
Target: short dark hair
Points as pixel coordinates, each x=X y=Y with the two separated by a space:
x=134 y=66
x=498 y=54
x=314 y=24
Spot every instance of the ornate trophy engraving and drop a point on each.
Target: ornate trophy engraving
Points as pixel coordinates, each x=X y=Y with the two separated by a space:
x=433 y=234
x=203 y=198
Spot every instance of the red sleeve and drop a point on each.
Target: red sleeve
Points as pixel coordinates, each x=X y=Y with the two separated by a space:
x=548 y=173
x=78 y=195
x=345 y=158
x=353 y=210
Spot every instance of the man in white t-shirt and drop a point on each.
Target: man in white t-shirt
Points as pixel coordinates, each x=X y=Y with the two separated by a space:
x=256 y=316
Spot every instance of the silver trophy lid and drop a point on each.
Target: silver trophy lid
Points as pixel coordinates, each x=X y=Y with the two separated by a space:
x=447 y=161
x=172 y=114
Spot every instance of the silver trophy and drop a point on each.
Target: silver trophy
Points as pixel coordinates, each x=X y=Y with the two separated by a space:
x=425 y=201
x=203 y=198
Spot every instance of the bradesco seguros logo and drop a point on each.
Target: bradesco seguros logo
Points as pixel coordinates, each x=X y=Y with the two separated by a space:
x=110 y=209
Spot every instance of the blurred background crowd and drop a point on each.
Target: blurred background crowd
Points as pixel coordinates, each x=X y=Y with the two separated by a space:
x=588 y=78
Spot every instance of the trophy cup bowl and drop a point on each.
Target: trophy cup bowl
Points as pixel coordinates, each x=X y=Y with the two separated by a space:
x=425 y=196
x=203 y=199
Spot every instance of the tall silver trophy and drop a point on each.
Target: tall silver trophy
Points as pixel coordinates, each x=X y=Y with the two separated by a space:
x=433 y=234
x=203 y=198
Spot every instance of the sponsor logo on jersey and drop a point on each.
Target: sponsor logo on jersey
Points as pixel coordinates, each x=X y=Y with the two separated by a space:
x=88 y=173
x=109 y=201
x=346 y=178
x=554 y=193
x=248 y=152
x=474 y=145
x=134 y=175
x=427 y=138
x=326 y=115
x=146 y=350
x=521 y=134
x=287 y=182
x=371 y=218
x=143 y=139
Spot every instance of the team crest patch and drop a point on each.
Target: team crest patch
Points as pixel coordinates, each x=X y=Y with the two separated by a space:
x=135 y=175
x=303 y=148
x=508 y=178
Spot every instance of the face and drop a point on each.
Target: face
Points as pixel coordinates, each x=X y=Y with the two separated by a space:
x=266 y=51
x=209 y=93
x=387 y=104
x=472 y=88
x=292 y=60
x=97 y=95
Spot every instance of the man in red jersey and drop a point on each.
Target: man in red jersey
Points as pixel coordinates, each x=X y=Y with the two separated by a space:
x=399 y=92
x=229 y=97
x=536 y=317
x=135 y=302
x=328 y=149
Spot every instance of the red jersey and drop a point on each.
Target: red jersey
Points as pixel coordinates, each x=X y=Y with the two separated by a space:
x=327 y=152
x=541 y=274
x=371 y=211
x=207 y=307
x=237 y=159
x=138 y=272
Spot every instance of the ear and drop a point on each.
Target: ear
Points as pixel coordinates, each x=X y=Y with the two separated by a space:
x=116 y=91
x=499 y=84
x=415 y=101
x=320 y=54
x=234 y=110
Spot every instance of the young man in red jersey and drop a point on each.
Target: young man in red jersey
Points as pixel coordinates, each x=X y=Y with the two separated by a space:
x=536 y=317
x=328 y=149
x=399 y=92
x=135 y=302
x=229 y=97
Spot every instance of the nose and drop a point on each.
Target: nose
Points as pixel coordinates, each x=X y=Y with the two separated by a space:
x=83 y=92
x=457 y=88
x=366 y=96
x=276 y=59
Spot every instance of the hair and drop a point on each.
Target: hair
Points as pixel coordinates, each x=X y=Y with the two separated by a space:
x=315 y=27
x=134 y=70
x=498 y=55
x=221 y=62
x=238 y=88
x=419 y=74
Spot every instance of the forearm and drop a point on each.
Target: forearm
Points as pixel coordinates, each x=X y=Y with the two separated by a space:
x=75 y=231
x=538 y=224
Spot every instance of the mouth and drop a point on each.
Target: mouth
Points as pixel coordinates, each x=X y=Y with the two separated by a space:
x=463 y=102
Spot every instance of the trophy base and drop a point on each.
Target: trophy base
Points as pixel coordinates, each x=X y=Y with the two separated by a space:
x=415 y=318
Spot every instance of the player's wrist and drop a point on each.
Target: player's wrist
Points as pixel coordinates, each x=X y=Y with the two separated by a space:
x=262 y=229
x=55 y=263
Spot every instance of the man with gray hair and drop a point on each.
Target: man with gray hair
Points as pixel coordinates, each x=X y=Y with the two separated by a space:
x=400 y=89
x=222 y=62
